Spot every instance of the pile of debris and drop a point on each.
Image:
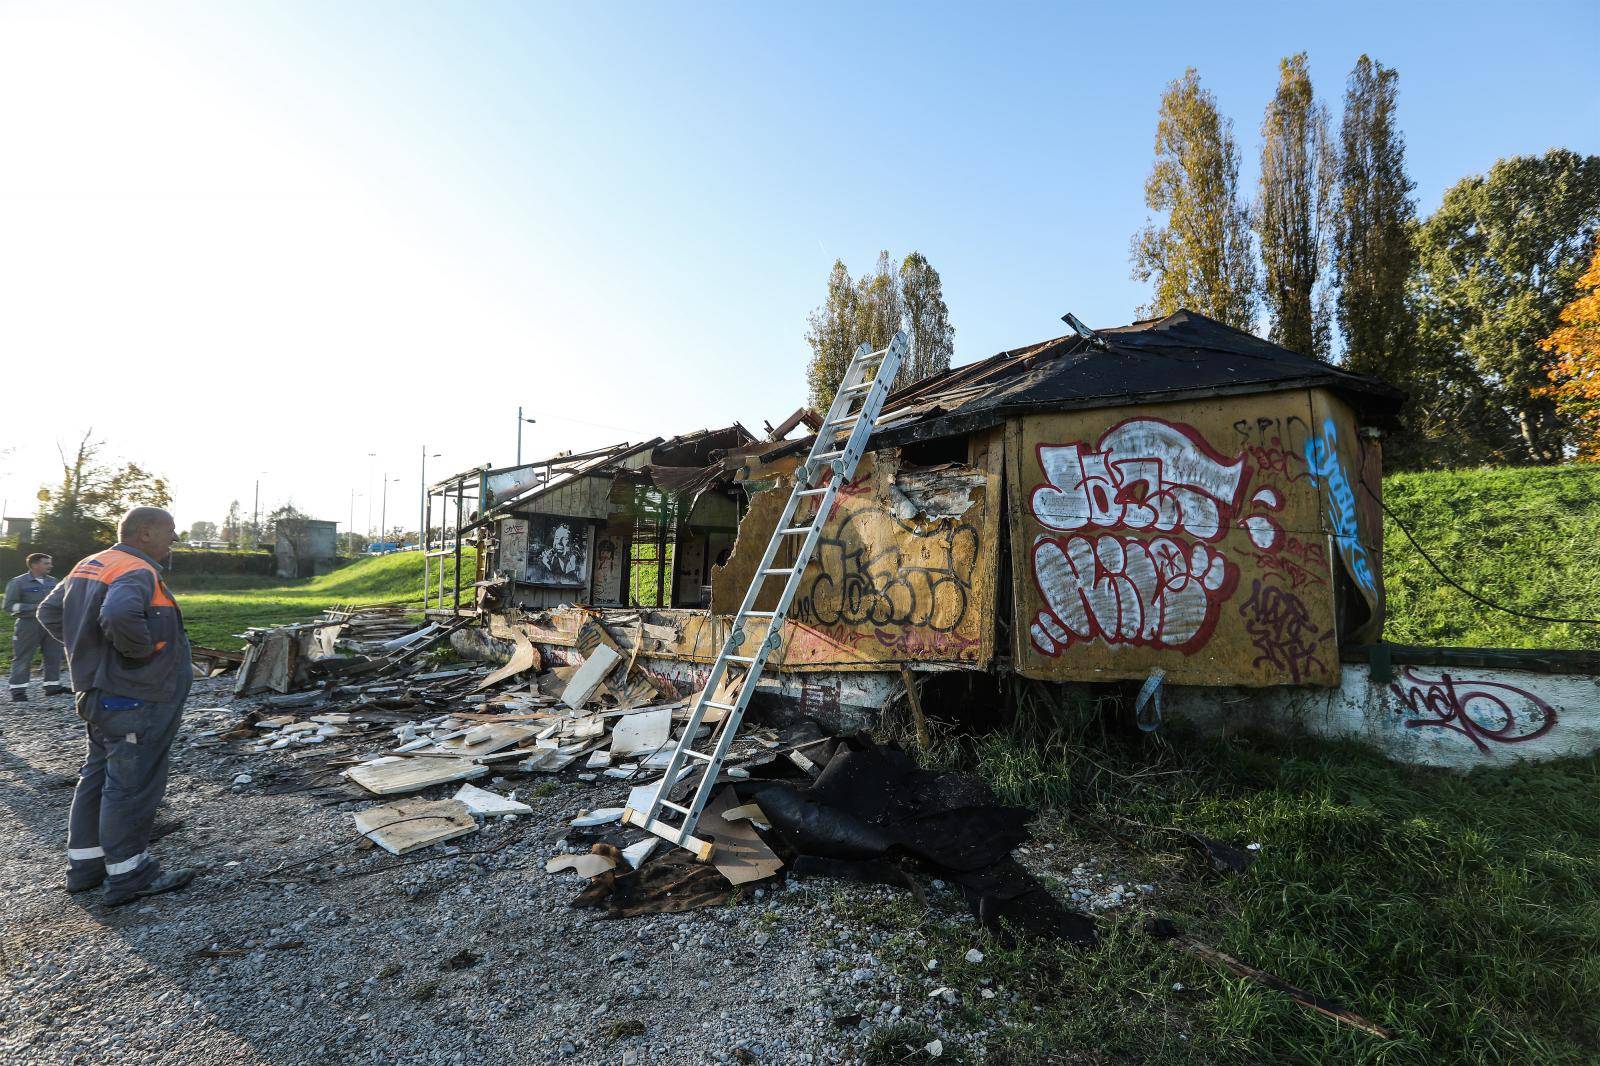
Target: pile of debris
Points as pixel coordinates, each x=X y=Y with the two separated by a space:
x=345 y=642
x=788 y=797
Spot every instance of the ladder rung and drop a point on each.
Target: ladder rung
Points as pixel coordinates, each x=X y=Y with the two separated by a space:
x=671 y=833
x=795 y=530
x=779 y=570
x=877 y=356
x=828 y=455
x=669 y=805
x=812 y=492
x=721 y=706
x=863 y=387
x=702 y=756
x=846 y=420
x=761 y=614
x=740 y=658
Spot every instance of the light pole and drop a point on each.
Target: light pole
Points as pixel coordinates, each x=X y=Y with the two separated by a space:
x=521 y=420
x=255 y=520
x=383 y=519
x=422 y=508
x=370 y=457
x=350 y=530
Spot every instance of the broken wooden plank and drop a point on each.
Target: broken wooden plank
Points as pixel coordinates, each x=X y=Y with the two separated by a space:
x=490 y=804
x=488 y=738
x=588 y=677
x=392 y=776
x=1325 y=1007
x=524 y=657
x=403 y=827
x=740 y=854
x=590 y=865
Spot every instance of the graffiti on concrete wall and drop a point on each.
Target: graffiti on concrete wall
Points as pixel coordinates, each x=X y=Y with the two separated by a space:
x=1485 y=712
x=1109 y=580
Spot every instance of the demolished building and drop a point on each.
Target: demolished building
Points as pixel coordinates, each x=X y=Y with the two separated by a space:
x=1174 y=500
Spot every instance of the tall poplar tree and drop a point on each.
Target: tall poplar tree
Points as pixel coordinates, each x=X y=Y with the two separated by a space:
x=831 y=334
x=1201 y=257
x=871 y=310
x=927 y=319
x=1294 y=212
x=1374 y=254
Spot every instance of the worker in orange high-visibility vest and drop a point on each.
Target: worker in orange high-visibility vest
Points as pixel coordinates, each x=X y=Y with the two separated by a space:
x=128 y=658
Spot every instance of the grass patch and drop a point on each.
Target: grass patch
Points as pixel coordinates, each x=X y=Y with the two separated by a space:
x=1528 y=538
x=1460 y=911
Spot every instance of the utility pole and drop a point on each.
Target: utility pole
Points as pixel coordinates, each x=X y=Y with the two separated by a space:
x=383 y=513
x=521 y=420
x=350 y=530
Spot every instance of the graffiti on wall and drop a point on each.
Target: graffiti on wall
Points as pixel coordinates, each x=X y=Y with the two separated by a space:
x=1322 y=461
x=1109 y=580
x=1484 y=712
x=1282 y=630
x=919 y=576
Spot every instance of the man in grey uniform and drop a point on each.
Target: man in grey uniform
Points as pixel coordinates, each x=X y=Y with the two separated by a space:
x=23 y=595
x=129 y=660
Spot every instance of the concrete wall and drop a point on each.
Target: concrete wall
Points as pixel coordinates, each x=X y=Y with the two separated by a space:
x=1458 y=717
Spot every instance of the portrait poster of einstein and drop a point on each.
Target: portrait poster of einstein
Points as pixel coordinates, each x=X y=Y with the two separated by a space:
x=558 y=551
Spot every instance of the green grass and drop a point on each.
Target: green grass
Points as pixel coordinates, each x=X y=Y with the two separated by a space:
x=1528 y=538
x=216 y=608
x=1460 y=911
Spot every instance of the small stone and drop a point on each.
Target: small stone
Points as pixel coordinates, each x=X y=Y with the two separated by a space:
x=974 y=955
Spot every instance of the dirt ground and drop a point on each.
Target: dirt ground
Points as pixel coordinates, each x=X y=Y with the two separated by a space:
x=296 y=946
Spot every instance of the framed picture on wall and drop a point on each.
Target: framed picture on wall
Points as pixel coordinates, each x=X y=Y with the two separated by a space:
x=558 y=551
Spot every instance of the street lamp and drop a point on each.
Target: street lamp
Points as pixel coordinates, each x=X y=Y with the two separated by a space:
x=255 y=521
x=383 y=513
x=521 y=420
x=350 y=530
x=370 y=456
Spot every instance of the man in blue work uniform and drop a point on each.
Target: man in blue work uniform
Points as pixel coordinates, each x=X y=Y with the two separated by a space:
x=128 y=657
x=23 y=595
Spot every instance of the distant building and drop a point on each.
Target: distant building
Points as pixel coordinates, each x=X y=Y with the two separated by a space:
x=20 y=528
x=305 y=547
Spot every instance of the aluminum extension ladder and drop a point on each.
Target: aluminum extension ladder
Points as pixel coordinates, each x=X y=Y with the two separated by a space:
x=830 y=463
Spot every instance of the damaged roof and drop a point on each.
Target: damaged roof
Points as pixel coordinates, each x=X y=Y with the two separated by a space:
x=1183 y=355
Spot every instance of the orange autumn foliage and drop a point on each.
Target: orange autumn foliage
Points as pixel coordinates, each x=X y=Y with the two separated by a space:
x=1576 y=373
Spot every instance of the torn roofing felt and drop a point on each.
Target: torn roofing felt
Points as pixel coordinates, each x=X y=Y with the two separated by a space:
x=1183 y=355
x=872 y=803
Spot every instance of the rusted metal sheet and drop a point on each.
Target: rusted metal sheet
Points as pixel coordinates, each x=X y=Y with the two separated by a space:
x=1188 y=537
x=904 y=570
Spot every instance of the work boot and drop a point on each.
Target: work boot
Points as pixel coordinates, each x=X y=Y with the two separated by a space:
x=19 y=695
x=161 y=881
x=56 y=690
x=83 y=878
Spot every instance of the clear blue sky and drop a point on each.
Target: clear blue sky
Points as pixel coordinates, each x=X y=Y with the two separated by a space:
x=330 y=217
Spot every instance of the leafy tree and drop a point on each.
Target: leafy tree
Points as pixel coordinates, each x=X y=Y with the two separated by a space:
x=233 y=525
x=831 y=335
x=1294 y=212
x=1576 y=373
x=79 y=516
x=203 y=530
x=1373 y=251
x=927 y=319
x=1498 y=261
x=871 y=310
x=1201 y=257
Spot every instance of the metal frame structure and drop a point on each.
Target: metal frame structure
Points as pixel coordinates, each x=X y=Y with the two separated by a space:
x=825 y=468
x=447 y=546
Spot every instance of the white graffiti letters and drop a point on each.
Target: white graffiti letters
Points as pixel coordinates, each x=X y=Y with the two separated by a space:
x=1125 y=591
x=1144 y=474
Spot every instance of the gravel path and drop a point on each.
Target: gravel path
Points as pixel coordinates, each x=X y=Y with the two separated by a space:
x=460 y=958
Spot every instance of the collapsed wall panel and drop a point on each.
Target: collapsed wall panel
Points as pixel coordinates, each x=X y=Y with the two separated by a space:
x=1190 y=537
x=904 y=570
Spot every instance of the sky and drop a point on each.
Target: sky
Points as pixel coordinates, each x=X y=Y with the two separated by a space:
x=300 y=246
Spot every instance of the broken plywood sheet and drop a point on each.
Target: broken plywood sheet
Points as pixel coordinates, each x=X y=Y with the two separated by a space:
x=490 y=804
x=524 y=657
x=740 y=854
x=402 y=827
x=642 y=733
x=588 y=676
x=488 y=738
x=393 y=775
x=590 y=866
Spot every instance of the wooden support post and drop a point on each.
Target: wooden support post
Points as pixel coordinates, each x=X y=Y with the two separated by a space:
x=914 y=701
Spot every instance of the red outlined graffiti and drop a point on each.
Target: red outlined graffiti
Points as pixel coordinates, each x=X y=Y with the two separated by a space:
x=1281 y=629
x=1161 y=593
x=914 y=643
x=1143 y=475
x=1482 y=711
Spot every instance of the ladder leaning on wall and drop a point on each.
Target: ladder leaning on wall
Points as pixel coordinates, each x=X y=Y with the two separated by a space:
x=831 y=463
